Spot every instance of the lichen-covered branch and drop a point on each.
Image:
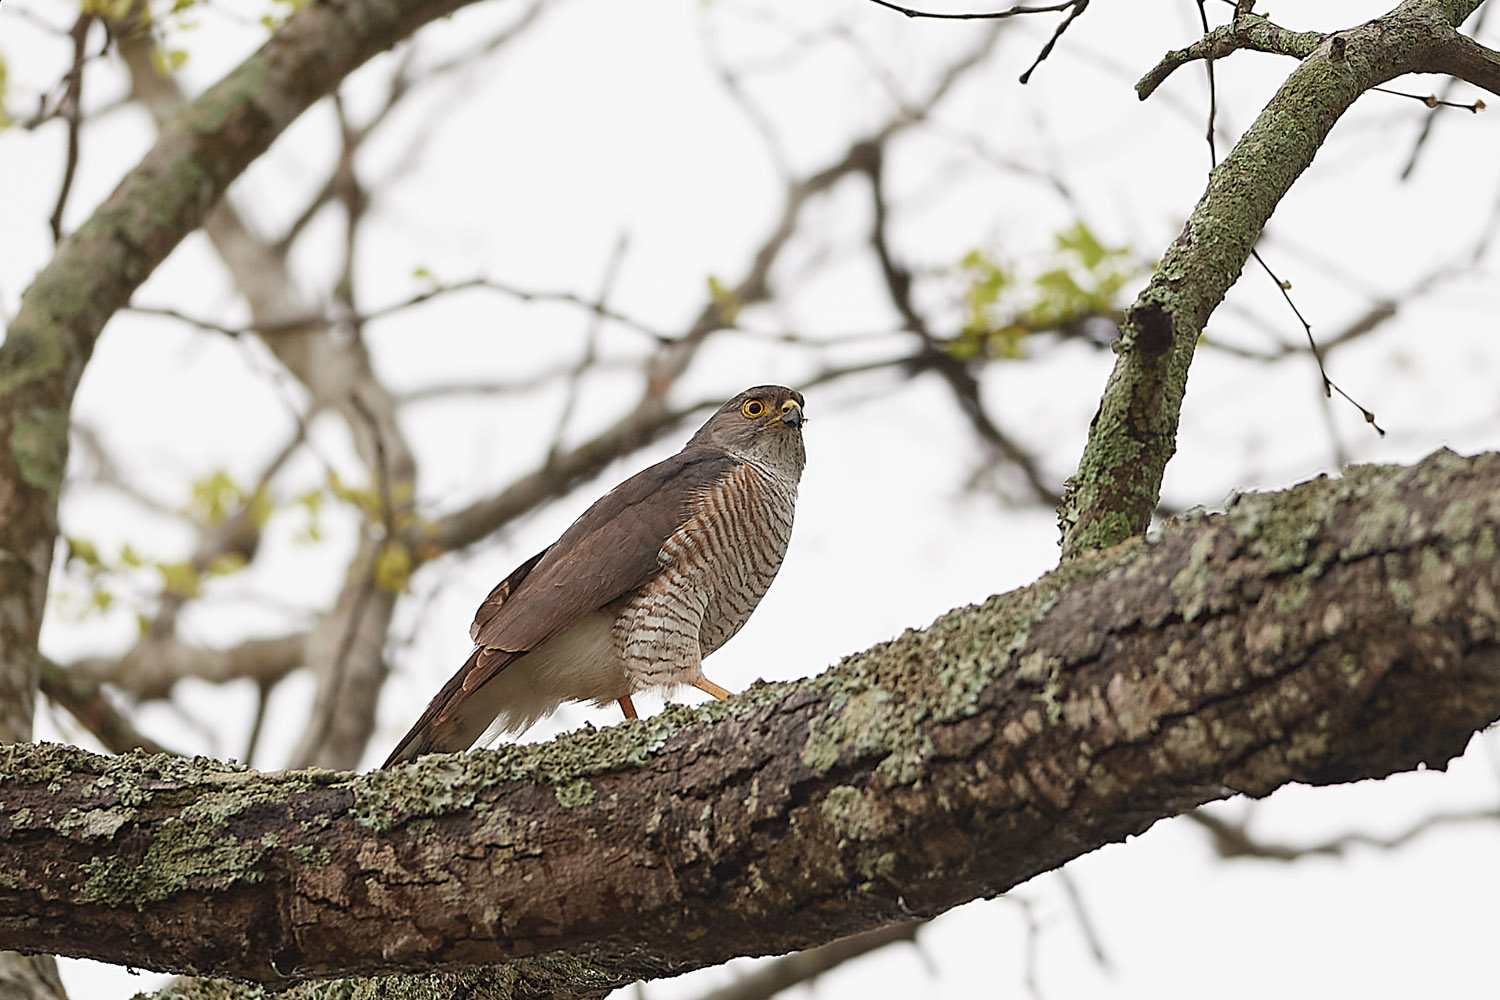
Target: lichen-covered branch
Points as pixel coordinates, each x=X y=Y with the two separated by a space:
x=1115 y=491
x=1253 y=31
x=1340 y=630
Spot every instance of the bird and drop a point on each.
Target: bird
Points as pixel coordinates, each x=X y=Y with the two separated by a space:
x=656 y=575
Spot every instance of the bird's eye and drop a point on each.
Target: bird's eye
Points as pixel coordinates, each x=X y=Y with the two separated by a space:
x=753 y=408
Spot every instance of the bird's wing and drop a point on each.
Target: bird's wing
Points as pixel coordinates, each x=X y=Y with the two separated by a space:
x=611 y=550
x=491 y=604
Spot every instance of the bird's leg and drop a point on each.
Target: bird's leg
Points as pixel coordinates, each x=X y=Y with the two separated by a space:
x=627 y=707
x=704 y=684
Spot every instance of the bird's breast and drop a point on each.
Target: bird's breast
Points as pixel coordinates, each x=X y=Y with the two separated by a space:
x=731 y=547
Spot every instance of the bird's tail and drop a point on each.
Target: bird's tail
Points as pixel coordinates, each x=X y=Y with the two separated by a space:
x=454 y=719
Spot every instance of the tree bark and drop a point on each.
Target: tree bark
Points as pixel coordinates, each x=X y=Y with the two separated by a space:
x=1341 y=630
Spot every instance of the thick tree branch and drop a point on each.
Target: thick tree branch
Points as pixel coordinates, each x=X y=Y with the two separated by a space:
x=1471 y=62
x=1344 y=629
x=1133 y=435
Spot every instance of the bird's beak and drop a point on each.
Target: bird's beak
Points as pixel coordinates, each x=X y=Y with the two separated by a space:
x=793 y=417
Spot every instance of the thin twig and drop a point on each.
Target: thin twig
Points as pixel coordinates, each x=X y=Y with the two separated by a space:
x=1233 y=840
x=590 y=348
x=308 y=320
x=71 y=110
x=1329 y=386
x=981 y=15
x=1079 y=7
x=802 y=967
x=1213 y=91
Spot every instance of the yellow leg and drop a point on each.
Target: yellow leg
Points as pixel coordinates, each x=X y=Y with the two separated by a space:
x=704 y=684
x=627 y=707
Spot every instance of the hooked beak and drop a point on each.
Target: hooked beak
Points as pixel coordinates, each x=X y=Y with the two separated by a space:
x=793 y=417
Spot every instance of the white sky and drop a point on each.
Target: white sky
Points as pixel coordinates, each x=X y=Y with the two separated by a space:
x=608 y=121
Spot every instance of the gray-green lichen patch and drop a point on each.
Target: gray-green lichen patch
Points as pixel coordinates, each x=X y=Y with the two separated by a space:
x=45 y=763
x=853 y=724
x=91 y=823
x=309 y=854
x=852 y=816
x=39 y=444
x=182 y=856
x=574 y=794
x=1192 y=584
x=209 y=113
x=29 y=354
x=1280 y=527
x=440 y=784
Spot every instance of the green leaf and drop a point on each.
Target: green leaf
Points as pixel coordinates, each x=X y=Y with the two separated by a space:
x=261 y=507
x=225 y=564
x=214 y=498
x=393 y=567
x=1079 y=239
x=167 y=61
x=84 y=551
x=724 y=297
x=5 y=119
x=179 y=578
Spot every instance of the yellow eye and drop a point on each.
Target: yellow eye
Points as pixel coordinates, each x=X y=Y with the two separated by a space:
x=753 y=408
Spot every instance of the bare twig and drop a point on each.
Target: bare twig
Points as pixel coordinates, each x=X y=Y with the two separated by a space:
x=1085 y=922
x=987 y=15
x=1213 y=91
x=1234 y=841
x=802 y=967
x=291 y=324
x=1078 y=8
x=589 y=357
x=1329 y=386
x=71 y=110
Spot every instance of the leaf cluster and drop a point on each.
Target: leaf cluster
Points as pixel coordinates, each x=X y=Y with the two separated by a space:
x=1003 y=305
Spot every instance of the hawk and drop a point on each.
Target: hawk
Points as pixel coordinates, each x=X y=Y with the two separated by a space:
x=657 y=574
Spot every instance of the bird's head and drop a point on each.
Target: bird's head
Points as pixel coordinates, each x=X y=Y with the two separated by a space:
x=762 y=425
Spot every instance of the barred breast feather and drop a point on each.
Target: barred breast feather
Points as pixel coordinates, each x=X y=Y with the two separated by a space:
x=715 y=570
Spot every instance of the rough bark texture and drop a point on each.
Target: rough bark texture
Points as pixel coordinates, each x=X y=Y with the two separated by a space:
x=1343 y=629
x=1118 y=484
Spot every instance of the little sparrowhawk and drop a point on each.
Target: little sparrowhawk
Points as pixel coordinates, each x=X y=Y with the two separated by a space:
x=656 y=575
